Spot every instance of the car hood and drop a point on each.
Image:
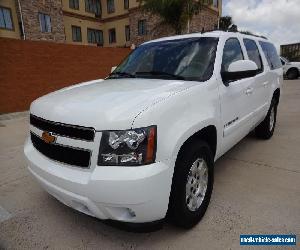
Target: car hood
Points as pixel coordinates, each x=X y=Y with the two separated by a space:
x=105 y=104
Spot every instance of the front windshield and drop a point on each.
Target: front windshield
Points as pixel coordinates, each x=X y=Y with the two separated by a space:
x=184 y=59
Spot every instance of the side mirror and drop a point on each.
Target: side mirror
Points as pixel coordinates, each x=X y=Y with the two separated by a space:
x=239 y=70
x=113 y=69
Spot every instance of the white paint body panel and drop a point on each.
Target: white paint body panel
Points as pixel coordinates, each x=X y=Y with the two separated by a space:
x=105 y=105
x=178 y=108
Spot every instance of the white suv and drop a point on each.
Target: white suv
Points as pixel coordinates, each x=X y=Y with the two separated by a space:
x=290 y=69
x=142 y=143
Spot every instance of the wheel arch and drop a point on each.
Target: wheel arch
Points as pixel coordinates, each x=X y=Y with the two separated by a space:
x=276 y=95
x=293 y=68
x=207 y=134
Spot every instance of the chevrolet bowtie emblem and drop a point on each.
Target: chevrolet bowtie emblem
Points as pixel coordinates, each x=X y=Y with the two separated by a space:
x=48 y=137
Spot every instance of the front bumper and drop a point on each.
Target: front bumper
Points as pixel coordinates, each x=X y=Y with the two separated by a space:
x=130 y=194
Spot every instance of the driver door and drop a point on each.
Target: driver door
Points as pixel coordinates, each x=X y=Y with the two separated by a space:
x=236 y=98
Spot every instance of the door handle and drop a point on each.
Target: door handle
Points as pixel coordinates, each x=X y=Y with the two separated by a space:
x=249 y=91
x=265 y=83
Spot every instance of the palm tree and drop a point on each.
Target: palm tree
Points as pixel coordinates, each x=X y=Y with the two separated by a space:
x=175 y=13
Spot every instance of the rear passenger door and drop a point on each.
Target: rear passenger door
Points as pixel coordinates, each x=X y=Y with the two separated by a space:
x=273 y=70
x=261 y=84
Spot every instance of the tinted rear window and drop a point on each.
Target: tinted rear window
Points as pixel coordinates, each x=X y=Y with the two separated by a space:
x=271 y=55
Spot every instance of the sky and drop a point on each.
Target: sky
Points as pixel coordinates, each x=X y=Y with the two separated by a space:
x=278 y=20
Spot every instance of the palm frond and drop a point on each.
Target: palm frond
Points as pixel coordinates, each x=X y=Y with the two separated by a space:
x=175 y=13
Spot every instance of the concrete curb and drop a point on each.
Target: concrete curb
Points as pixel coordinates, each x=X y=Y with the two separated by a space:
x=11 y=116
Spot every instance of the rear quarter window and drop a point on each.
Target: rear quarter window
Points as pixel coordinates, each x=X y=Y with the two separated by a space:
x=271 y=55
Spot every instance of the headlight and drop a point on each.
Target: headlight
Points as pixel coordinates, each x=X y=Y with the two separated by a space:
x=128 y=147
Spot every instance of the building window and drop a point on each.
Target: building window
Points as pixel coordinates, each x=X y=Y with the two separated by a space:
x=93 y=6
x=126 y=4
x=74 y=4
x=5 y=19
x=110 y=6
x=127 y=33
x=216 y=3
x=45 y=22
x=76 y=34
x=142 y=29
x=95 y=36
x=112 y=35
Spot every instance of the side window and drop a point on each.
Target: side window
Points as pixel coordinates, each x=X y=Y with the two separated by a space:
x=142 y=28
x=95 y=36
x=271 y=55
x=45 y=22
x=232 y=52
x=93 y=6
x=76 y=34
x=282 y=62
x=74 y=4
x=253 y=53
x=127 y=33
x=110 y=6
x=126 y=4
x=6 y=19
x=112 y=36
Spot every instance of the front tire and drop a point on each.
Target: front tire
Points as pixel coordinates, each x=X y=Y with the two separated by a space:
x=192 y=184
x=265 y=129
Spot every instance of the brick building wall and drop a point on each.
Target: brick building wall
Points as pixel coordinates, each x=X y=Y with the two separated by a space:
x=207 y=19
x=31 y=10
x=63 y=18
x=31 y=69
x=154 y=30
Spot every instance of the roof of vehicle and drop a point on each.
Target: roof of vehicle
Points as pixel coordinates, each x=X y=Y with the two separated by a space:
x=216 y=33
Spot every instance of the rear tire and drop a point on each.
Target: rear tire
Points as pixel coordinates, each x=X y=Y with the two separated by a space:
x=192 y=184
x=265 y=129
x=292 y=74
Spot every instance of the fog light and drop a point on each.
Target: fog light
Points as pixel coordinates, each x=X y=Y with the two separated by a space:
x=116 y=159
x=133 y=157
x=110 y=158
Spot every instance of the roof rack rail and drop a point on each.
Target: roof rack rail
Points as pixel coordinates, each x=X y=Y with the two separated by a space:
x=206 y=31
x=234 y=31
x=251 y=34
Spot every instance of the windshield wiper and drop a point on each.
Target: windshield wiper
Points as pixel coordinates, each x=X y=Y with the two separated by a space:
x=121 y=75
x=161 y=73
